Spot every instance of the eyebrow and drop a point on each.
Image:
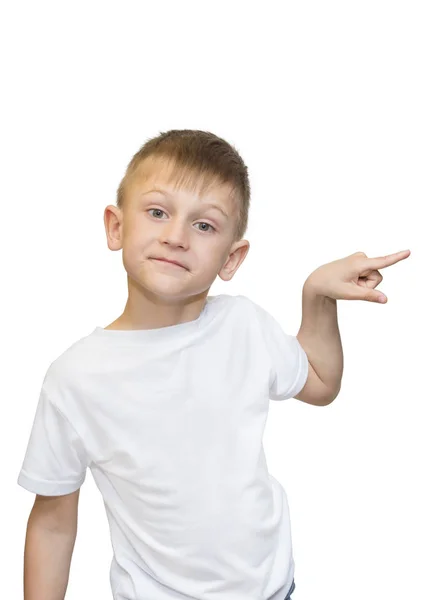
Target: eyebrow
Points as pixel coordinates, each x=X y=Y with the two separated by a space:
x=211 y=204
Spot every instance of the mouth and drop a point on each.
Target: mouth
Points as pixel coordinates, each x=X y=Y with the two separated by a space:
x=169 y=262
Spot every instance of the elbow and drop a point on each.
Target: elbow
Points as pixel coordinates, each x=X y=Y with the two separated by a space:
x=331 y=397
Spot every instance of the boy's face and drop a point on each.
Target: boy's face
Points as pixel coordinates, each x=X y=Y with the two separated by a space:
x=178 y=225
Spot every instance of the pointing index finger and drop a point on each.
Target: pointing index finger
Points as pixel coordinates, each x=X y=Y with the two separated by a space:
x=390 y=259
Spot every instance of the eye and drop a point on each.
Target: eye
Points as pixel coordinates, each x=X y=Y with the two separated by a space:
x=158 y=210
x=207 y=224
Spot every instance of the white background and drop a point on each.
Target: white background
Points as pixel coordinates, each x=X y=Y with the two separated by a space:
x=327 y=104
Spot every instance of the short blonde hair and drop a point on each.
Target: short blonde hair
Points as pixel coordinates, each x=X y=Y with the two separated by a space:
x=199 y=159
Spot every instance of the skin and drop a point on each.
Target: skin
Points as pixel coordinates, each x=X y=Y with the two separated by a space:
x=353 y=277
x=161 y=294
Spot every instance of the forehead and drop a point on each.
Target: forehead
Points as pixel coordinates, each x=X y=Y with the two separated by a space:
x=157 y=173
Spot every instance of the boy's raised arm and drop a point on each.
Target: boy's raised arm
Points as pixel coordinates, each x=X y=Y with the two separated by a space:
x=351 y=278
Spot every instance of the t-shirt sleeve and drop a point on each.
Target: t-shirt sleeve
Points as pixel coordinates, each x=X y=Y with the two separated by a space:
x=289 y=362
x=55 y=460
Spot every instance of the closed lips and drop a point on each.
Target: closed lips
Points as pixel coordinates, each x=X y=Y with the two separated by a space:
x=170 y=261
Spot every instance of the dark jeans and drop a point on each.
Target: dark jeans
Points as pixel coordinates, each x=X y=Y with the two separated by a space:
x=288 y=596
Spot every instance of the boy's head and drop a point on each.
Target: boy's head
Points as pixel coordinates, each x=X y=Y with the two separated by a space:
x=193 y=169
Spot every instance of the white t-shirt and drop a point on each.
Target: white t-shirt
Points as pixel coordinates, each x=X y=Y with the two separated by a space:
x=170 y=422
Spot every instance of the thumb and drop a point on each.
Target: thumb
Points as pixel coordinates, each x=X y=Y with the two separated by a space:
x=369 y=295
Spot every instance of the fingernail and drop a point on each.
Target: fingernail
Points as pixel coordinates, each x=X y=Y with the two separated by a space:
x=382 y=298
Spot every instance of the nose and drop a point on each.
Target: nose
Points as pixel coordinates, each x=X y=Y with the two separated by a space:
x=174 y=234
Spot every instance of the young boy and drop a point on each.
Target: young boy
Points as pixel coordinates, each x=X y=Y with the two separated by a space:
x=167 y=404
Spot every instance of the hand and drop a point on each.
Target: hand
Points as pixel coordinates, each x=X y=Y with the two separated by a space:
x=353 y=277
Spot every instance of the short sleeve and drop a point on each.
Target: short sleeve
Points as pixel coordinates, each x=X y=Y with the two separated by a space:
x=55 y=460
x=289 y=362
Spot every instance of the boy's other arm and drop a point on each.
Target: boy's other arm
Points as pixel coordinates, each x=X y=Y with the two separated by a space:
x=49 y=544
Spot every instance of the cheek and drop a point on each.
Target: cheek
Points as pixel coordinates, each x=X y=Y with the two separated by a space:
x=140 y=233
x=216 y=257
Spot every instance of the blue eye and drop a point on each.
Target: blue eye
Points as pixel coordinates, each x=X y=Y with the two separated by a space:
x=201 y=222
x=157 y=209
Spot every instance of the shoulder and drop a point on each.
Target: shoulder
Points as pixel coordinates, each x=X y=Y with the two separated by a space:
x=67 y=368
x=234 y=301
x=240 y=307
x=247 y=306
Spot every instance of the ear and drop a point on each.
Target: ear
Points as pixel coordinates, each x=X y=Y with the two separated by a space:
x=237 y=254
x=113 y=219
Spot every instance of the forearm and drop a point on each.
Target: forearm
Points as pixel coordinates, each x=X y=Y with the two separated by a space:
x=47 y=559
x=320 y=337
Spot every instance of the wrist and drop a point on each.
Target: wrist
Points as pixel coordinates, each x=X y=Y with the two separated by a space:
x=313 y=291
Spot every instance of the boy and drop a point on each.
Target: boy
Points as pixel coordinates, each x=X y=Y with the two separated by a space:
x=167 y=404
